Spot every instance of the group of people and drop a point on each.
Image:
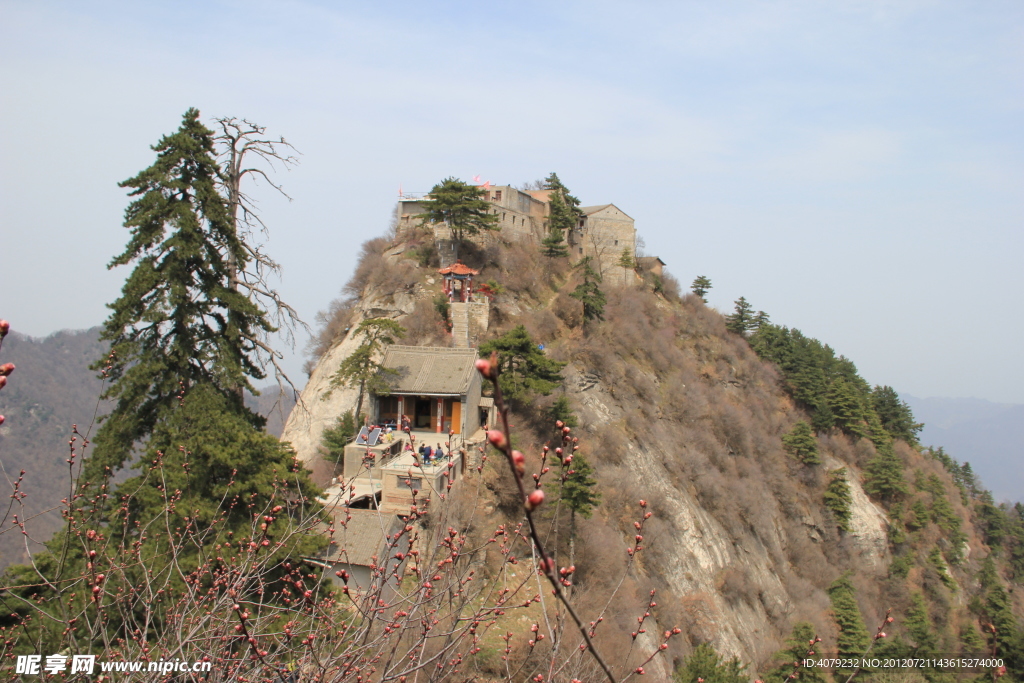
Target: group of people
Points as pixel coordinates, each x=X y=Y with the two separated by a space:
x=429 y=454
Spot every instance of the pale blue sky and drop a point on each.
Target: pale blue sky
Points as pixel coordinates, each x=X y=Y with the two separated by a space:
x=855 y=169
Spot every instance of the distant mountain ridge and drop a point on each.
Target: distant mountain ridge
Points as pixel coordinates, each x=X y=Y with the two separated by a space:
x=988 y=435
x=52 y=389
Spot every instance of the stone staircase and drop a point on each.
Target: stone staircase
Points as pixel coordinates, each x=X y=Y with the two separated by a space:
x=460 y=324
x=446 y=251
x=469 y=320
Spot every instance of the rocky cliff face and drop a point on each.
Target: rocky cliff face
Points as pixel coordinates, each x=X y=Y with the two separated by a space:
x=316 y=410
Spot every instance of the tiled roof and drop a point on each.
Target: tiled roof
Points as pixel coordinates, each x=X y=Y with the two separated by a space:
x=362 y=537
x=429 y=369
x=589 y=210
x=458 y=268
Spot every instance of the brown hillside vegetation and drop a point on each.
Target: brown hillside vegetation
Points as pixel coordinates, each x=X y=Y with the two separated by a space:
x=676 y=410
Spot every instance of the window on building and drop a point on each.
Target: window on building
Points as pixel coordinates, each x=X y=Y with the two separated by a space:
x=616 y=243
x=410 y=483
x=497 y=195
x=581 y=250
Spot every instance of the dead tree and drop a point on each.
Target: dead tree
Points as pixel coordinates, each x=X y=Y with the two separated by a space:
x=244 y=149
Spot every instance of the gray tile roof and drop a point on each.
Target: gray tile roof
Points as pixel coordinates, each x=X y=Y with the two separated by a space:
x=588 y=210
x=362 y=538
x=430 y=369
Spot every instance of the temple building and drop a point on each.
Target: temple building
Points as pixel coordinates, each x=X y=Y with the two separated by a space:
x=437 y=388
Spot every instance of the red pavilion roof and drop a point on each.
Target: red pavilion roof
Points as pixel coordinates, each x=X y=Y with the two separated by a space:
x=458 y=268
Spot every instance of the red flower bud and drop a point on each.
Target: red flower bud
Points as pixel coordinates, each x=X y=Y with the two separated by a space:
x=535 y=499
x=519 y=460
x=3 y=381
x=643 y=503
x=5 y=327
x=2 y=418
x=484 y=367
x=6 y=368
x=497 y=438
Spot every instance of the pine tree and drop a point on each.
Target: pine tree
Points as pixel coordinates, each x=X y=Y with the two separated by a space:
x=741 y=320
x=178 y=322
x=853 y=637
x=799 y=643
x=525 y=370
x=553 y=246
x=362 y=369
x=627 y=263
x=919 y=627
x=563 y=208
x=579 y=495
x=705 y=665
x=884 y=475
x=837 y=498
x=760 y=320
x=918 y=515
x=561 y=411
x=847 y=408
x=337 y=436
x=461 y=207
x=589 y=293
x=801 y=444
x=701 y=286
x=895 y=415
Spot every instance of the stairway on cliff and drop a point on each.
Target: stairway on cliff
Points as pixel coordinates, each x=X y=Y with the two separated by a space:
x=469 y=321
x=460 y=324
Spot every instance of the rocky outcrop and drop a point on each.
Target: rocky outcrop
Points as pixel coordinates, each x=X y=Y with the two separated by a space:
x=319 y=405
x=868 y=524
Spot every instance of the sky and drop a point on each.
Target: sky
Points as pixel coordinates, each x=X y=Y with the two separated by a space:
x=854 y=169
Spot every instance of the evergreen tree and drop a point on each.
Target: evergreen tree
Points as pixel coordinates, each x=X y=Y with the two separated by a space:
x=919 y=627
x=525 y=370
x=461 y=207
x=579 y=495
x=701 y=286
x=847 y=408
x=742 y=319
x=838 y=499
x=895 y=415
x=179 y=322
x=919 y=515
x=798 y=645
x=553 y=246
x=801 y=444
x=563 y=208
x=704 y=664
x=560 y=411
x=853 y=637
x=884 y=475
x=589 y=293
x=627 y=263
x=760 y=320
x=337 y=436
x=362 y=369
x=997 y=610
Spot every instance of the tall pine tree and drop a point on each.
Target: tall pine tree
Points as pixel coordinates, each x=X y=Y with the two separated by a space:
x=179 y=321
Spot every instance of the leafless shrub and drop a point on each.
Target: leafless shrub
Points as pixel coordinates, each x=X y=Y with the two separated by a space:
x=735 y=585
x=425 y=327
x=568 y=310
